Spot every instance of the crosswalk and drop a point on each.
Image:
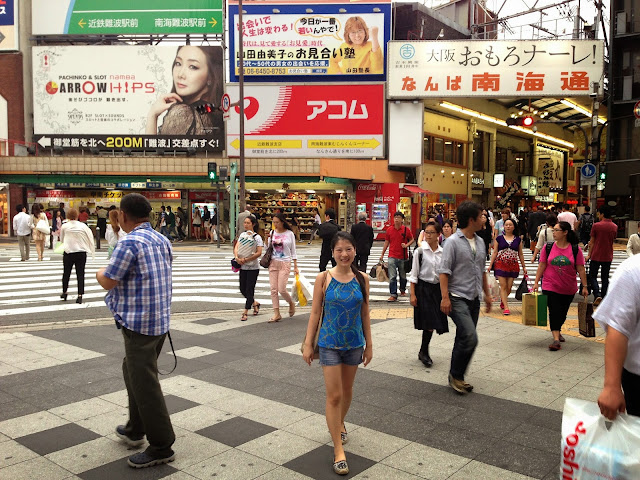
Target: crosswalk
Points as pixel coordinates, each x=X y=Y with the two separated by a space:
x=200 y=276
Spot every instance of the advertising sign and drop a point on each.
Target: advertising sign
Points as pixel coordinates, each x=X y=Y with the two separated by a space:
x=139 y=97
x=126 y=17
x=345 y=121
x=494 y=68
x=550 y=168
x=9 y=25
x=310 y=42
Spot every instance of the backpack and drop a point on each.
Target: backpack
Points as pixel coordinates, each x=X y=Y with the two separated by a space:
x=574 y=249
x=586 y=223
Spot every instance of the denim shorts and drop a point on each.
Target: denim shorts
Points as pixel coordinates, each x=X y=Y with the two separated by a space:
x=330 y=357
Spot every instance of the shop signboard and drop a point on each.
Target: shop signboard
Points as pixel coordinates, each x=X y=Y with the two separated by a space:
x=120 y=97
x=494 y=68
x=9 y=33
x=549 y=168
x=303 y=121
x=311 y=41
x=126 y=17
x=60 y=195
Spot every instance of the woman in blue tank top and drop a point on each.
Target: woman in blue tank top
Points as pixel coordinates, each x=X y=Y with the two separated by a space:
x=341 y=298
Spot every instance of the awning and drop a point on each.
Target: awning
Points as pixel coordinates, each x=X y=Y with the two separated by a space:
x=415 y=189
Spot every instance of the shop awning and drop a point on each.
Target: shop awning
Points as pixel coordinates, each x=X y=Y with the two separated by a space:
x=415 y=189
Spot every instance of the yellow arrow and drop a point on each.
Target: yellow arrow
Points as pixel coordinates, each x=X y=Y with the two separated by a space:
x=267 y=143
x=213 y=22
x=82 y=23
x=344 y=143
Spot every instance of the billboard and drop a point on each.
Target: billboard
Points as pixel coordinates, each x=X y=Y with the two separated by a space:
x=9 y=25
x=311 y=42
x=142 y=97
x=308 y=121
x=126 y=17
x=549 y=167
x=494 y=68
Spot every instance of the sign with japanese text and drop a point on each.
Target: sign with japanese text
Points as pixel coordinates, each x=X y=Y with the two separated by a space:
x=9 y=34
x=495 y=68
x=549 y=165
x=313 y=41
x=98 y=195
x=136 y=97
x=126 y=17
x=345 y=121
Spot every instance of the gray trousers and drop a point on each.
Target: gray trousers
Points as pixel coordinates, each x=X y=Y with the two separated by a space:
x=24 y=246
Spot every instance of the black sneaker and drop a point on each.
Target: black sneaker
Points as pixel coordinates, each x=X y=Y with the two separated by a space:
x=144 y=460
x=425 y=359
x=132 y=441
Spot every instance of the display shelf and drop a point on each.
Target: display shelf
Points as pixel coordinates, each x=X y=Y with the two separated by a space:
x=305 y=213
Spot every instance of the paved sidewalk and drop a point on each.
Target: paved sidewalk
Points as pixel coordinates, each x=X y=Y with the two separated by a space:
x=244 y=405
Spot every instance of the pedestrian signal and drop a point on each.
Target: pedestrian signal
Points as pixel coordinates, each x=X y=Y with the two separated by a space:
x=213 y=171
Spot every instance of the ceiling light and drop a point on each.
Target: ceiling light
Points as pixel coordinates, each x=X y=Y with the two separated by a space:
x=442 y=171
x=453 y=173
x=253 y=191
x=311 y=191
x=462 y=174
x=339 y=191
x=580 y=109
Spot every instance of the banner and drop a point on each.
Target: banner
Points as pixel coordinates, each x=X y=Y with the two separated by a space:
x=125 y=96
x=549 y=164
x=9 y=33
x=126 y=17
x=303 y=42
x=494 y=68
x=308 y=121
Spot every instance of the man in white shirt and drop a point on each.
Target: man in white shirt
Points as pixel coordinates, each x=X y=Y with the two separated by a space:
x=22 y=226
x=568 y=216
x=619 y=315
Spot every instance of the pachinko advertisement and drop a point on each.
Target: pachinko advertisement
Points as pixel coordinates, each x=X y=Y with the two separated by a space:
x=306 y=42
x=140 y=97
x=343 y=121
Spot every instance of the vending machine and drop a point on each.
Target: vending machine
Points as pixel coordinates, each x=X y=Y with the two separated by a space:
x=379 y=216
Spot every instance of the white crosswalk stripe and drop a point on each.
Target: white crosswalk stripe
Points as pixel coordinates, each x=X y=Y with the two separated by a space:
x=198 y=276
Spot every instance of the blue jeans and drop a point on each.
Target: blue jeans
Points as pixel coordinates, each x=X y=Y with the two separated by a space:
x=464 y=314
x=396 y=265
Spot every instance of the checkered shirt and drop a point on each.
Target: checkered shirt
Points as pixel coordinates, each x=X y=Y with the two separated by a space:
x=141 y=263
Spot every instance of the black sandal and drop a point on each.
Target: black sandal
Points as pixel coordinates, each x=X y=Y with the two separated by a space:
x=256 y=309
x=244 y=317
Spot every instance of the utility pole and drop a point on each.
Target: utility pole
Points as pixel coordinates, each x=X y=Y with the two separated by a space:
x=241 y=88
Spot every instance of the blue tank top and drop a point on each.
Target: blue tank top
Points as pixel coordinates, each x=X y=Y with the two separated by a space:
x=342 y=323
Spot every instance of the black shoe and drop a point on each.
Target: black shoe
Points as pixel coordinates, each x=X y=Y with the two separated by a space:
x=143 y=459
x=63 y=296
x=79 y=299
x=132 y=441
x=425 y=359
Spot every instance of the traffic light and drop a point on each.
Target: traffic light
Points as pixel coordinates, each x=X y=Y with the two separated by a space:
x=213 y=171
x=603 y=172
x=205 y=108
x=224 y=173
x=526 y=121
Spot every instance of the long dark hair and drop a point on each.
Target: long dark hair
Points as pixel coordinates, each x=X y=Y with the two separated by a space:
x=572 y=237
x=347 y=237
x=213 y=55
x=280 y=216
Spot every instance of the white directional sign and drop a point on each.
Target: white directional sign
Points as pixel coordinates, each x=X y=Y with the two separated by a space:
x=588 y=174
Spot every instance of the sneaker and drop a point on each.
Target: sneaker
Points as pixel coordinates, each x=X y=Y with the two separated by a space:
x=555 y=346
x=132 y=441
x=597 y=301
x=457 y=385
x=425 y=359
x=144 y=460
x=392 y=299
x=506 y=311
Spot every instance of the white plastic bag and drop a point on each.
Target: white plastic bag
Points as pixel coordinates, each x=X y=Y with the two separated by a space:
x=590 y=451
x=494 y=288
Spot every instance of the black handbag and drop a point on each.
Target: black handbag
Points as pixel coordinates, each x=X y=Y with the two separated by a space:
x=522 y=288
x=265 y=261
x=373 y=273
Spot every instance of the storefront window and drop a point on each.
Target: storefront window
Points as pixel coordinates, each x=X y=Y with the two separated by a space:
x=519 y=164
x=438 y=149
x=459 y=154
x=501 y=159
x=427 y=149
x=448 y=151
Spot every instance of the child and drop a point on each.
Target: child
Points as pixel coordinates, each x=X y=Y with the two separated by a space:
x=360 y=52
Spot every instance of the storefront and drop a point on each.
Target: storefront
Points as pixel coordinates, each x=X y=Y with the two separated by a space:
x=380 y=201
x=198 y=199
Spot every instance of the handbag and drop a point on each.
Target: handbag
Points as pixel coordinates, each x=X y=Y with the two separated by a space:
x=43 y=226
x=586 y=325
x=522 y=288
x=374 y=270
x=265 y=261
x=316 y=349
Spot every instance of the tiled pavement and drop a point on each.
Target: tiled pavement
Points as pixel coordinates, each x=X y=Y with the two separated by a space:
x=244 y=405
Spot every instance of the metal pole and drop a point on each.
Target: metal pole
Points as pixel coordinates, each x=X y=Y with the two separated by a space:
x=241 y=88
x=218 y=212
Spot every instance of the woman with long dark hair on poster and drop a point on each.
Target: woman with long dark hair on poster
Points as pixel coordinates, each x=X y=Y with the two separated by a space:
x=197 y=74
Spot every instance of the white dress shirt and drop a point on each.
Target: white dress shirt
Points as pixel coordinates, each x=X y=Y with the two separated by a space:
x=77 y=237
x=430 y=263
x=22 y=224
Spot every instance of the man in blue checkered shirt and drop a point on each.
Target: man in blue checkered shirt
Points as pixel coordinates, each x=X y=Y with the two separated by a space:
x=138 y=278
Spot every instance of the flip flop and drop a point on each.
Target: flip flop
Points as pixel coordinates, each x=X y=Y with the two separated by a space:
x=244 y=317
x=274 y=319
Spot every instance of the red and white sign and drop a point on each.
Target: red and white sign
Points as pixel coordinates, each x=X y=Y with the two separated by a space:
x=344 y=121
x=151 y=195
x=205 y=196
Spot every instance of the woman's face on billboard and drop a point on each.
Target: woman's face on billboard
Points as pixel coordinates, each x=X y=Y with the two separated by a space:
x=190 y=73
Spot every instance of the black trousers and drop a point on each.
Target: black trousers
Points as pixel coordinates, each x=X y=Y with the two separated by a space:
x=324 y=259
x=248 y=279
x=147 y=408
x=558 y=305
x=631 y=388
x=593 y=277
x=102 y=224
x=361 y=261
x=69 y=260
